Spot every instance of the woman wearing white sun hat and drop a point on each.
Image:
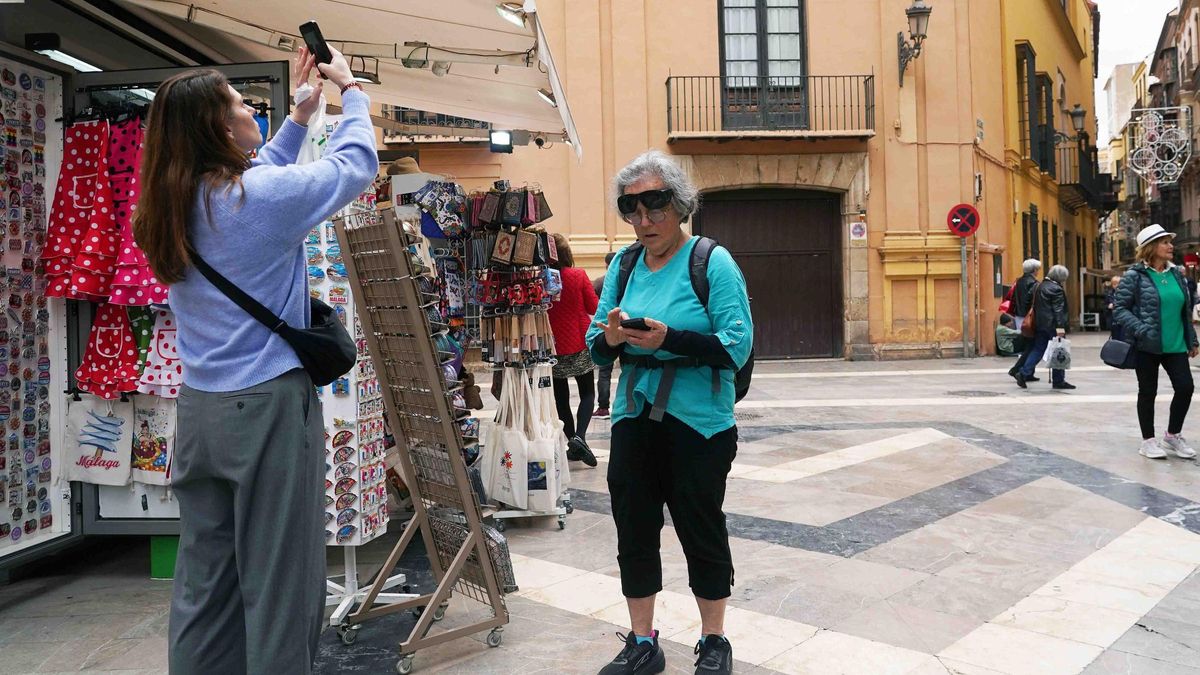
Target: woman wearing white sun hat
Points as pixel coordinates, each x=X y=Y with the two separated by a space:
x=1154 y=308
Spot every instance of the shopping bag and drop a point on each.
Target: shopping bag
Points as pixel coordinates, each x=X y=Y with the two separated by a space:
x=153 y=439
x=544 y=374
x=548 y=447
x=1058 y=354
x=508 y=450
x=97 y=441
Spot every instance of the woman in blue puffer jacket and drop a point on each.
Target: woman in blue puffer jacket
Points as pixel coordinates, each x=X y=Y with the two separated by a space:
x=1154 y=308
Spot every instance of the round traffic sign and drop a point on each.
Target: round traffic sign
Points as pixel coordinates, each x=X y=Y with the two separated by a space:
x=963 y=220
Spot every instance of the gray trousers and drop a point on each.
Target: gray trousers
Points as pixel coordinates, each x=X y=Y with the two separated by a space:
x=249 y=473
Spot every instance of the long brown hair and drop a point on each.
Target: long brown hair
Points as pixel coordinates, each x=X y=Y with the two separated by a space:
x=187 y=145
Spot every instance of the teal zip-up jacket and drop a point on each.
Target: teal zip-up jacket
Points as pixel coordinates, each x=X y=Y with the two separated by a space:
x=1137 y=309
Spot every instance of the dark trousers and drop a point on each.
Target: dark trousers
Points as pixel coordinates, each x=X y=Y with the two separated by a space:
x=576 y=425
x=249 y=467
x=668 y=462
x=1180 y=373
x=1034 y=354
x=604 y=386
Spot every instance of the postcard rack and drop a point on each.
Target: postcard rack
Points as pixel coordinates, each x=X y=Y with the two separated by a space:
x=391 y=290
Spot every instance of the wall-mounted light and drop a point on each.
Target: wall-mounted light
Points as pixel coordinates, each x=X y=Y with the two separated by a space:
x=50 y=46
x=500 y=141
x=548 y=97
x=918 y=29
x=365 y=69
x=512 y=12
x=1078 y=122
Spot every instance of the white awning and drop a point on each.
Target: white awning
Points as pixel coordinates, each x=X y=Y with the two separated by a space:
x=496 y=67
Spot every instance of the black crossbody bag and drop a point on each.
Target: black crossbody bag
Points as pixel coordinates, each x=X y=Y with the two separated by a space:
x=325 y=349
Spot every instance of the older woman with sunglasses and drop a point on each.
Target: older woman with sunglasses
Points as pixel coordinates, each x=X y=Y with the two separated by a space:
x=673 y=435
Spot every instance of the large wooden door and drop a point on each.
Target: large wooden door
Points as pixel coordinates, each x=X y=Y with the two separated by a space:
x=789 y=246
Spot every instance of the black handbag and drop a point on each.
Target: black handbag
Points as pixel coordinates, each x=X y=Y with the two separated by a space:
x=1119 y=354
x=325 y=349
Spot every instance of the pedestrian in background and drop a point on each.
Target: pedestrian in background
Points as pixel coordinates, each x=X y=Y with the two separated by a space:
x=1050 y=318
x=1154 y=308
x=603 y=373
x=1009 y=341
x=570 y=316
x=1110 y=303
x=1021 y=303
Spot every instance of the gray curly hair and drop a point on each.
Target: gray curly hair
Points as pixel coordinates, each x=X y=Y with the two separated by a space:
x=1058 y=273
x=661 y=166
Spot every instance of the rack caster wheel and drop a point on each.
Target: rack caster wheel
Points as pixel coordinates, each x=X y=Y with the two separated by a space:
x=439 y=613
x=500 y=526
x=405 y=665
x=406 y=589
x=494 y=638
x=562 y=523
x=570 y=507
x=348 y=634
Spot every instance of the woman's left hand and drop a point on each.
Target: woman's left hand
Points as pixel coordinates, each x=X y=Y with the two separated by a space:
x=302 y=68
x=647 y=339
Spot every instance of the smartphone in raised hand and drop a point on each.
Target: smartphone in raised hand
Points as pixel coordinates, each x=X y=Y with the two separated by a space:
x=311 y=33
x=636 y=324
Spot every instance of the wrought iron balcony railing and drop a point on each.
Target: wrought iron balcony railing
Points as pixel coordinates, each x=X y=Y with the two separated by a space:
x=830 y=106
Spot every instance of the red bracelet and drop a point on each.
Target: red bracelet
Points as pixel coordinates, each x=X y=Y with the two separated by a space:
x=352 y=85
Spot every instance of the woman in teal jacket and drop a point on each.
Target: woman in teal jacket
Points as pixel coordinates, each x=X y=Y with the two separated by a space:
x=673 y=432
x=1154 y=308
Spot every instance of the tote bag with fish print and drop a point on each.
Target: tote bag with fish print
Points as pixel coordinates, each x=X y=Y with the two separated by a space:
x=98 y=441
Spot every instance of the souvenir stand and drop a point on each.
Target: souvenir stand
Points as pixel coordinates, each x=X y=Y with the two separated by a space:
x=124 y=300
x=355 y=487
x=513 y=284
x=397 y=302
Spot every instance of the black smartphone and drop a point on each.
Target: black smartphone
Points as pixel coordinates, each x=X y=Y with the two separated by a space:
x=316 y=42
x=636 y=324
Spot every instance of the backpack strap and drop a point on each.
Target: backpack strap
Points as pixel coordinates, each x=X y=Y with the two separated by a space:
x=698 y=267
x=628 y=259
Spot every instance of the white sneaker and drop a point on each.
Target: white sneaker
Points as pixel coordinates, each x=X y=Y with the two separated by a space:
x=1178 y=445
x=1152 y=448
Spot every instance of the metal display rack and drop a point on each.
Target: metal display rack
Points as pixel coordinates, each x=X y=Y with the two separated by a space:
x=392 y=309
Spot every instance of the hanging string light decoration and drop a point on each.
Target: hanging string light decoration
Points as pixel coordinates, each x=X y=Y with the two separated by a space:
x=1161 y=143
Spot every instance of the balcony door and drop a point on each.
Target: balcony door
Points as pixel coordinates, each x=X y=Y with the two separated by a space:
x=763 y=65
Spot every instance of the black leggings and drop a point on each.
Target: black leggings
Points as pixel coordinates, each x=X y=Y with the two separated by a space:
x=668 y=462
x=575 y=426
x=1180 y=373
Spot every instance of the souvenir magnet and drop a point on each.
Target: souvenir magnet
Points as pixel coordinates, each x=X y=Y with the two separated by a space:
x=339 y=295
x=345 y=470
x=347 y=516
x=47 y=521
x=346 y=500
x=342 y=438
x=343 y=454
x=346 y=533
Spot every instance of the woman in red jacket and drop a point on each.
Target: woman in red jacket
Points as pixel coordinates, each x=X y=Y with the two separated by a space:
x=570 y=317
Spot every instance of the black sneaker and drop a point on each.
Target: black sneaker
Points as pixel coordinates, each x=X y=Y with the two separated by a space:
x=716 y=655
x=1064 y=385
x=1020 y=378
x=637 y=659
x=578 y=451
x=1033 y=378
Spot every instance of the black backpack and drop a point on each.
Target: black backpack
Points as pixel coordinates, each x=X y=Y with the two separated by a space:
x=698 y=271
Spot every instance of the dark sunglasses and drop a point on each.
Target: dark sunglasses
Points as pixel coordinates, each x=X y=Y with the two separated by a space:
x=653 y=200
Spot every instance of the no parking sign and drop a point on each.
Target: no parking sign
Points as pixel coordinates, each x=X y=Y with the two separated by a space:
x=963 y=220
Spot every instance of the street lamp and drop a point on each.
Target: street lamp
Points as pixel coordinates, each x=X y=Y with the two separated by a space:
x=1078 y=121
x=918 y=29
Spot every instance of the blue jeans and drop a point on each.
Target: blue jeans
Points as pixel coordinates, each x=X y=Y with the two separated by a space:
x=1041 y=340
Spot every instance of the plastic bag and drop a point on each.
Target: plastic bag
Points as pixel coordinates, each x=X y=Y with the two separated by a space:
x=548 y=472
x=1058 y=354
x=315 y=134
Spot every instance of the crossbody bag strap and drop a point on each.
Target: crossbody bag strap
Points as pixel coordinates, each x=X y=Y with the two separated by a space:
x=239 y=297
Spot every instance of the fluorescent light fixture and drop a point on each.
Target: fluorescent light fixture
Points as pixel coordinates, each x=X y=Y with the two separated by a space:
x=512 y=12
x=500 y=141
x=548 y=97
x=63 y=57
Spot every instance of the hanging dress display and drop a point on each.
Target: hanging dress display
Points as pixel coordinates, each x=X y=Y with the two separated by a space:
x=133 y=283
x=141 y=320
x=110 y=363
x=85 y=160
x=163 y=375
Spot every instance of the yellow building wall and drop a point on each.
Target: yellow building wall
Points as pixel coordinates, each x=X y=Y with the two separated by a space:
x=951 y=120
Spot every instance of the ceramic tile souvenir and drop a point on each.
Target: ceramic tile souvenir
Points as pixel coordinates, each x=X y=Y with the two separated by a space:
x=346 y=533
x=346 y=500
x=346 y=516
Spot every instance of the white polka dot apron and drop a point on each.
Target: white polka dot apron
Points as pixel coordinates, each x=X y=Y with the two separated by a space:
x=163 y=375
x=84 y=160
x=111 y=361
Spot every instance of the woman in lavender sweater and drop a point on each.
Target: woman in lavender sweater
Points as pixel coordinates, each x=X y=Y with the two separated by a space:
x=249 y=464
